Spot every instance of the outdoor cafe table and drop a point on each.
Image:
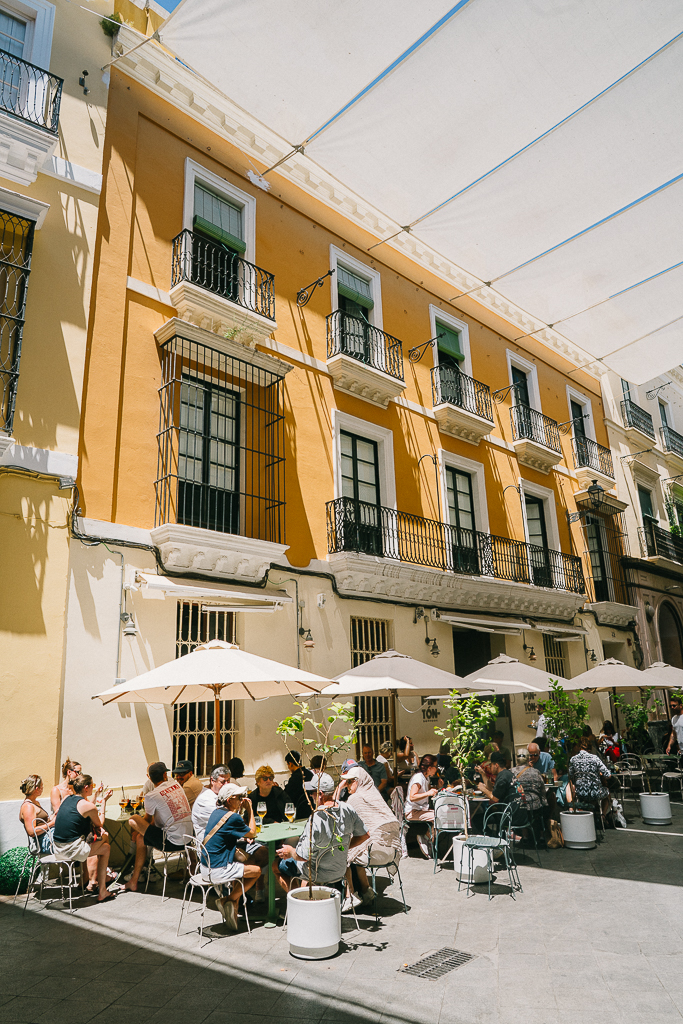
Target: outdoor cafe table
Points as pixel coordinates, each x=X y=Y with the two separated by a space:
x=273 y=836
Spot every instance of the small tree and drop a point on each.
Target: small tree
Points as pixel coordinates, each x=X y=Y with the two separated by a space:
x=314 y=730
x=465 y=729
x=565 y=718
x=636 y=715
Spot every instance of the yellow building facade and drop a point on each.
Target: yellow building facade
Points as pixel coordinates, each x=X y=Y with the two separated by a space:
x=321 y=473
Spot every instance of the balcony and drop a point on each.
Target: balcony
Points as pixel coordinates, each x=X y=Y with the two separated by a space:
x=672 y=443
x=364 y=361
x=373 y=550
x=29 y=117
x=637 y=419
x=462 y=405
x=216 y=289
x=535 y=438
x=592 y=461
x=658 y=543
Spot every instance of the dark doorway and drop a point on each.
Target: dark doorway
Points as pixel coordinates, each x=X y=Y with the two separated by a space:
x=471 y=650
x=670 y=636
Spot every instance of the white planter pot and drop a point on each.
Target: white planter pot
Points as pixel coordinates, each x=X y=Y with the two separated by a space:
x=313 y=926
x=578 y=830
x=461 y=863
x=655 y=808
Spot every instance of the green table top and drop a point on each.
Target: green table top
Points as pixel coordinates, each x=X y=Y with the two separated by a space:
x=278 y=831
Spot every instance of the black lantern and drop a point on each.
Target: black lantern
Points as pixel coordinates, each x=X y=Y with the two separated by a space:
x=595 y=493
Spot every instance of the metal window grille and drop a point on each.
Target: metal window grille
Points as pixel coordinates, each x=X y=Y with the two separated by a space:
x=221 y=460
x=193 y=723
x=554 y=656
x=605 y=547
x=370 y=637
x=28 y=92
x=16 y=244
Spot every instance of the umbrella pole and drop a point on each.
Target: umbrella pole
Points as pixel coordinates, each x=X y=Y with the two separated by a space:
x=217 y=728
x=393 y=724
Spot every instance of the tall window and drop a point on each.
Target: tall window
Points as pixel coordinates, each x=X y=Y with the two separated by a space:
x=461 y=519
x=538 y=539
x=362 y=530
x=450 y=356
x=521 y=390
x=599 y=557
x=12 y=39
x=670 y=636
x=368 y=638
x=664 y=416
x=646 y=506
x=354 y=299
x=16 y=243
x=193 y=723
x=555 y=662
x=218 y=243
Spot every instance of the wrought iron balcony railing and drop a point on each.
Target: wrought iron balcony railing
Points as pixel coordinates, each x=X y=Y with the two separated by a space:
x=375 y=530
x=29 y=93
x=636 y=417
x=455 y=388
x=220 y=270
x=654 y=541
x=672 y=441
x=589 y=453
x=349 y=335
x=533 y=425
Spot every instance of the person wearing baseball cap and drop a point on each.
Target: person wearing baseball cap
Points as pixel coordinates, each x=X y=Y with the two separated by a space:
x=184 y=773
x=166 y=823
x=219 y=865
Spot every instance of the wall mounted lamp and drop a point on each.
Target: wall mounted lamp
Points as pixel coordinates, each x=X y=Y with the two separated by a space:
x=532 y=652
x=595 y=495
x=309 y=642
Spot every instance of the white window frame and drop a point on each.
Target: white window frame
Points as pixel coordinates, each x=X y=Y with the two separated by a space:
x=385 y=453
x=196 y=172
x=373 y=277
x=647 y=485
x=585 y=402
x=513 y=359
x=476 y=470
x=548 y=497
x=40 y=18
x=669 y=411
x=436 y=313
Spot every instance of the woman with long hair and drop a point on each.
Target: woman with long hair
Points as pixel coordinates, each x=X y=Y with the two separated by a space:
x=420 y=792
x=70 y=770
x=33 y=816
x=79 y=835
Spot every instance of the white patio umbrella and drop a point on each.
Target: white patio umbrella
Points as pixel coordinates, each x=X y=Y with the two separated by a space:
x=609 y=675
x=217 y=669
x=663 y=676
x=509 y=675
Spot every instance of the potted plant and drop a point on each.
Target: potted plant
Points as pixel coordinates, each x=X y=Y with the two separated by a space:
x=462 y=733
x=655 y=808
x=314 y=911
x=566 y=715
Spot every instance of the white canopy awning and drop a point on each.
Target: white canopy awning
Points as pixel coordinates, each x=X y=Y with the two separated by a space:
x=537 y=146
x=228 y=598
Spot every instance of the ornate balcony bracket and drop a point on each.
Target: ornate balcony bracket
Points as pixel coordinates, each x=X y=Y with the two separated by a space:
x=461 y=423
x=223 y=555
x=611 y=613
x=536 y=456
x=24 y=148
x=220 y=316
x=363 y=381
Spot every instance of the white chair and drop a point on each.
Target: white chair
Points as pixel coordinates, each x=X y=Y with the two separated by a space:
x=451 y=816
x=384 y=854
x=170 y=853
x=74 y=868
x=671 y=772
x=40 y=862
x=197 y=882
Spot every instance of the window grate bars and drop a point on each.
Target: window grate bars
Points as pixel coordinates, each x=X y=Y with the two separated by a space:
x=217 y=268
x=638 y=418
x=221 y=460
x=193 y=723
x=437 y=964
x=589 y=453
x=368 y=638
x=672 y=441
x=535 y=426
x=29 y=93
x=349 y=335
x=455 y=388
x=554 y=656
x=16 y=244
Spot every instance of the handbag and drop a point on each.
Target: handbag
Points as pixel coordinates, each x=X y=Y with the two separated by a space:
x=556 y=838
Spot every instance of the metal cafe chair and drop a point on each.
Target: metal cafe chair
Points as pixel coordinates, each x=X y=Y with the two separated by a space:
x=629 y=769
x=198 y=883
x=166 y=854
x=671 y=771
x=489 y=844
x=40 y=862
x=384 y=856
x=451 y=817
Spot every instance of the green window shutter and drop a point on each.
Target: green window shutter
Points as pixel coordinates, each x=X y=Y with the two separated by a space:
x=218 y=234
x=353 y=287
x=449 y=342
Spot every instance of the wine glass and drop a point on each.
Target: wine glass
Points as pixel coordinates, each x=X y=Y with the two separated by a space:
x=261 y=808
x=289 y=811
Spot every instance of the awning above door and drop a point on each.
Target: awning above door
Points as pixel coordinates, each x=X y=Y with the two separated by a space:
x=231 y=599
x=484 y=625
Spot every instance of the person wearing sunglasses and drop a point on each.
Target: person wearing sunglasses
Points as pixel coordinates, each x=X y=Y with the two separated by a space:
x=268 y=792
x=205 y=804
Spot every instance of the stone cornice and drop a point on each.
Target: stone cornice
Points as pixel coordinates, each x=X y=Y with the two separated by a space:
x=155 y=68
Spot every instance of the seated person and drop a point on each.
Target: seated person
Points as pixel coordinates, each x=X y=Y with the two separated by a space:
x=78 y=833
x=589 y=740
x=504 y=789
x=487 y=775
x=70 y=770
x=375 y=769
x=447 y=770
x=184 y=773
x=336 y=830
x=219 y=865
x=529 y=779
x=421 y=789
x=268 y=792
x=206 y=801
x=167 y=810
x=318 y=765
x=384 y=834
x=386 y=757
x=541 y=760
x=588 y=776
x=236 y=767
x=33 y=816
x=609 y=743
x=406 y=758
x=499 y=740
x=294 y=788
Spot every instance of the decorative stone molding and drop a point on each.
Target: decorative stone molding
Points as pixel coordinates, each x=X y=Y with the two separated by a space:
x=220 y=316
x=183 y=329
x=611 y=613
x=223 y=555
x=24 y=148
x=360 y=575
x=675 y=462
x=363 y=381
x=585 y=477
x=462 y=424
x=608 y=499
x=537 y=456
x=6 y=442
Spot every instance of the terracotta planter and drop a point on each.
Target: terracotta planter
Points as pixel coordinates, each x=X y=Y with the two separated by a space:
x=578 y=829
x=314 y=926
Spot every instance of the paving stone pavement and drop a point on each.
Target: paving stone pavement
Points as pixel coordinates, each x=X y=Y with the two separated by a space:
x=595 y=936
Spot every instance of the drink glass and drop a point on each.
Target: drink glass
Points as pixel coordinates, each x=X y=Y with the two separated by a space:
x=289 y=811
x=261 y=808
x=257 y=823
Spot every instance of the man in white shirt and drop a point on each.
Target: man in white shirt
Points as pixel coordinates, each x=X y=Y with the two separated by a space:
x=676 y=725
x=166 y=822
x=540 y=725
x=205 y=803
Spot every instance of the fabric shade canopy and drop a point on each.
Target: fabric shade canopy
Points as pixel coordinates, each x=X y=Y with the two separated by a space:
x=615 y=674
x=531 y=154
x=508 y=675
x=663 y=676
x=393 y=671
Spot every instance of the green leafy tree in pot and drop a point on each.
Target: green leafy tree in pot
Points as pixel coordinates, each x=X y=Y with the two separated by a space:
x=469 y=723
x=315 y=731
x=565 y=716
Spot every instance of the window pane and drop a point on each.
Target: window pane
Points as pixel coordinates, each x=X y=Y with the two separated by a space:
x=12 y=34
x=218 y=211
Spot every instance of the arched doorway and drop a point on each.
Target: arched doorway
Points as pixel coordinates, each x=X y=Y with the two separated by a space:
x=670 y=635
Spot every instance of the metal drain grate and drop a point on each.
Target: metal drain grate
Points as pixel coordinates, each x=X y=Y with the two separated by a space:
x=437 y=964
